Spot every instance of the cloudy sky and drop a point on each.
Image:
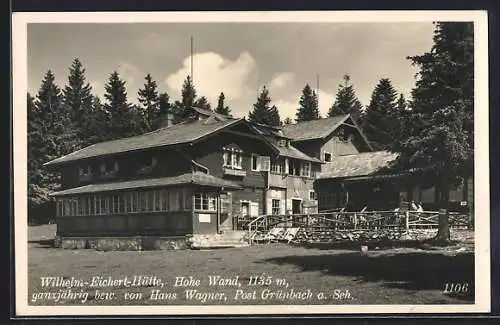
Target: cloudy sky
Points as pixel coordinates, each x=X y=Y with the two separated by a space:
x=236 y=58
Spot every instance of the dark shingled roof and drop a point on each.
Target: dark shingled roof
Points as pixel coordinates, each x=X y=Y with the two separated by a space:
x=190 y=178
x=293 y=152
x=357 y=165
x=175 y=134
x=315 y=129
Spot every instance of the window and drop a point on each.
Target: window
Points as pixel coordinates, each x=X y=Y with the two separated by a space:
x=327 y=156
x=132 y=202
x=174 y=200
x=312 y=195
x=142 y=206
x=156 y=201
x=164 y=200
x=147 y=165
x=84 y=173
x=205 y=202
x=122 y=204
x=276 y=207
x=59 y=210
x=233 y=158
x=150 y=199
x=92 y=205
x=115 y=204
x=306 y=169
x=107 y=171
x=294 y=167
x=255 y=160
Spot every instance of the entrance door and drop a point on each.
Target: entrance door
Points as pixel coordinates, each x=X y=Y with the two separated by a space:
x=226 y=219
x=296 y=206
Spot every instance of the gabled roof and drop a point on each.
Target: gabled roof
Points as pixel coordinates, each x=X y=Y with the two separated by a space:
x=181 y=133
x=315 y=129
x=209 y=113
x=189 y=178
x=357 y=165
x=291 y=152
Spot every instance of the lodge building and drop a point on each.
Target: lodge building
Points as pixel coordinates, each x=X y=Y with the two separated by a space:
x=206 y=175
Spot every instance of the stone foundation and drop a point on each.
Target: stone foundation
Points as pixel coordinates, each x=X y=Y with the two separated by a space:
x=138 y=243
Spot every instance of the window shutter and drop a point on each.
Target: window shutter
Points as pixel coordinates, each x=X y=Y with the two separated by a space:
x=254 y=209
x=265 y=163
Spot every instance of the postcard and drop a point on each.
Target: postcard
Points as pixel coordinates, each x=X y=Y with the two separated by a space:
x=251 y=163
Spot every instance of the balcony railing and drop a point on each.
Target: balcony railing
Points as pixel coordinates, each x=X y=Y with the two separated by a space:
x=234 y=172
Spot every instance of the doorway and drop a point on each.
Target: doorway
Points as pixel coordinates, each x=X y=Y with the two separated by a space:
x=296 y=206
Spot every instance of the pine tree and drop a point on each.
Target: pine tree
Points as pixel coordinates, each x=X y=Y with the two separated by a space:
x=164 y=110
x=97 y=123
x=262 y=112
x=123 y=117
x=182 y=110
x=346 y=101
x=49 y=136
x=77 y=96
x=221 y=108
x=287 y=121
x=149 y=100
x=202 y=102
x=380 y=119
x=401 y=104
x=308 y=106
x=440 y=127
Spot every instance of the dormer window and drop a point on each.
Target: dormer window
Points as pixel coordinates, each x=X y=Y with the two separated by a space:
x=107 y=172
x=147 y=166
x=282 y=143
x=84 y=174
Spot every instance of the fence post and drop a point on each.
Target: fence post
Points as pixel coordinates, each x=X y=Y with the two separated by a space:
x=407 y=220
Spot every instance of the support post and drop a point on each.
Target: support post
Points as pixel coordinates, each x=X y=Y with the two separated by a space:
x=407 y=220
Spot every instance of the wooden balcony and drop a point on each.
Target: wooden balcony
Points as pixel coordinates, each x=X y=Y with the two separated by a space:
x=234 y=172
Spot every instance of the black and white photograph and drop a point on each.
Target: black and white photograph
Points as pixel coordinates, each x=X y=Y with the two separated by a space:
x=197 y=163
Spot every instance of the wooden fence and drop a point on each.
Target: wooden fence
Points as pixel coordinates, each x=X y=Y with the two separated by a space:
x=342 y=221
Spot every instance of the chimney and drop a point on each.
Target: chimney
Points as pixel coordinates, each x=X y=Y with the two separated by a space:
x=166 y=121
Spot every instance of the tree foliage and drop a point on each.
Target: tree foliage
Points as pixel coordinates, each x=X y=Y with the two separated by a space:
x=123 y=118
x=221 y=107
x=308 y=106
x=439 y=128
x=262 y=112
x=380 y=119
x=346 y=101
x=149 y=103
x=77 y=97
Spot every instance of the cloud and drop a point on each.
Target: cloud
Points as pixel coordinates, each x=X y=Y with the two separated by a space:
x=128 y=72
x=97 y=88
x=214 y=74
x=281 y=80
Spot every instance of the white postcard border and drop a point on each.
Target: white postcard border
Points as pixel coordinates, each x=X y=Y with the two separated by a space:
x=481 y=121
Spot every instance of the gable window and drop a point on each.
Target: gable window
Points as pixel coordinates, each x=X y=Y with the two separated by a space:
x=306 y=169
x=282 y=143
x=327 y=157
x=233 y=158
